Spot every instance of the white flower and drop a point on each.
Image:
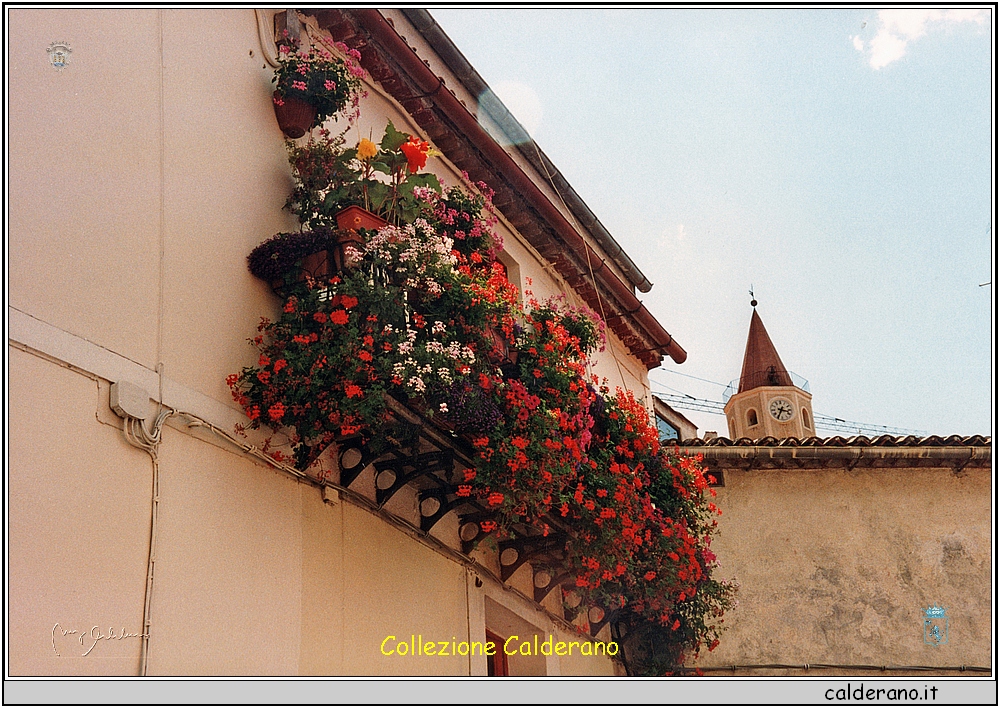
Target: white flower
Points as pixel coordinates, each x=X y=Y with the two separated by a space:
x=443 y=407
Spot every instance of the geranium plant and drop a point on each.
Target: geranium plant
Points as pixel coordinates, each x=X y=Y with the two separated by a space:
x=385 y=178
x=421 y=317
x=315 y=76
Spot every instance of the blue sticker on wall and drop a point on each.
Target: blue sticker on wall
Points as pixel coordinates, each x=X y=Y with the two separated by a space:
x=935 y=626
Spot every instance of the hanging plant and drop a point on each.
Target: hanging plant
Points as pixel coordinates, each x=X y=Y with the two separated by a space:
x=312 y=85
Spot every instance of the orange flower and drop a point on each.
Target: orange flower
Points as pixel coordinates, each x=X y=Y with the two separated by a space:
x=416 y=153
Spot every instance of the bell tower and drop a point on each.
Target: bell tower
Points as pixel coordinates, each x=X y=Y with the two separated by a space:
x=767 y=402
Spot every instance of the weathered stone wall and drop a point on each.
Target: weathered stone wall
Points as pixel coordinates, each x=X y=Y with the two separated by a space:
x=837 y=566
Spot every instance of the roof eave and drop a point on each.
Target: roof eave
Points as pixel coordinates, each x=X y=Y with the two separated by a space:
x=422 y=93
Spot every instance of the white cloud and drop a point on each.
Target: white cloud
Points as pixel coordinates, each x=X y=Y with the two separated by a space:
x=897 y=28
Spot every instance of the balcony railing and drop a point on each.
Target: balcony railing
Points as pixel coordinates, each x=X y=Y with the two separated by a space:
x=768 y=377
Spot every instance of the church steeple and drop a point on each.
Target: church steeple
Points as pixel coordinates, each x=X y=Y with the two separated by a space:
x=761 y=364
x=767 y=402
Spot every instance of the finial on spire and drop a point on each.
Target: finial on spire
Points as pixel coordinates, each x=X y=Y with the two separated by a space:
x=753 y=300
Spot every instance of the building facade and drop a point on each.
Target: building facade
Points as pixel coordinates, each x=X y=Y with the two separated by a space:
x=856 y=555
x=146 y=164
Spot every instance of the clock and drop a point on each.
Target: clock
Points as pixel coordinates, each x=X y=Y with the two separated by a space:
x=781 y=409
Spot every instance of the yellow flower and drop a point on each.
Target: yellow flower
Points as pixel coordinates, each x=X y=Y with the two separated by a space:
x=366 y=149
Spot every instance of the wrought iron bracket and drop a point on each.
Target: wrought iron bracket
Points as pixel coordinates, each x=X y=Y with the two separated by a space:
x=353 y=456
x=528 y=548
x=408 y=469
x=543 y=592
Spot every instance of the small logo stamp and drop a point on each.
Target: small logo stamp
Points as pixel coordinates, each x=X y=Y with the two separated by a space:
x=59 y=54
x=935 y=625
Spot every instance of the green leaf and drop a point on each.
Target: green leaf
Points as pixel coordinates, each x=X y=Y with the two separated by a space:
x=392 y=138
x=425 y=179
x=377 y=194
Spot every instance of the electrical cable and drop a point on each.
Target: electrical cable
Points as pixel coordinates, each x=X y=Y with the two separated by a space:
x=136 y=435
x=267 y=47
x=590 y=265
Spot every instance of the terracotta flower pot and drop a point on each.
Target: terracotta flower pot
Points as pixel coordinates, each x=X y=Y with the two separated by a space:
x=350 y=221
x=315 y=265
x=294 y=116
x=354 y=218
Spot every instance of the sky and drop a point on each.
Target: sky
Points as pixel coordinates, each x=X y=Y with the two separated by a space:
x=839 y=161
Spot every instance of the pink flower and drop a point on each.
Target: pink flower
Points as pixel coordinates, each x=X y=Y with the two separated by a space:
x=302 y=69
x=278 y=101
x=329 y=85
x=300 y=85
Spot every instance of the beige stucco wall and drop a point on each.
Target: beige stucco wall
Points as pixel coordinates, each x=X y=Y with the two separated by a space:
x=838 y=566
x=78 y=526
x=142 y=175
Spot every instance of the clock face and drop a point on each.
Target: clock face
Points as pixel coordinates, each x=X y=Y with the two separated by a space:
x=781 y=409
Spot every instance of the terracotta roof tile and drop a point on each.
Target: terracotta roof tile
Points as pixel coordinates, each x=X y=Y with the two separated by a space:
x=855 y=441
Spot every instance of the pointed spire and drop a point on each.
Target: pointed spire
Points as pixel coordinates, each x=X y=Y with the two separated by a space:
x=761 y=364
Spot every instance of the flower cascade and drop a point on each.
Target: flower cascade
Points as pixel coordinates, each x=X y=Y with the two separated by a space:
x=427 y=316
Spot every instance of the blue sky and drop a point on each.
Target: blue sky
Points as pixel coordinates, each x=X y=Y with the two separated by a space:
x=837 y=160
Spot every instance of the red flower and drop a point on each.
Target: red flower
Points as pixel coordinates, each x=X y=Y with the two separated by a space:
x=263 y=361
x=415 y=150
x=495 y=499
x=339 y=317
x=254 y=413
x=320 y=317
x=276 y=412
x=464 y=490
x=348 y=301
x=488 y=526
x=279 y=365
x=353 y=391
x=676 y=624
x=364 y=355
